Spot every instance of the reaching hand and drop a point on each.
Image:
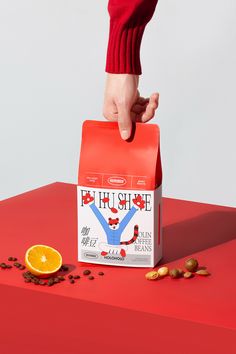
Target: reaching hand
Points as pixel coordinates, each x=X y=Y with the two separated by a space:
x=122 y=102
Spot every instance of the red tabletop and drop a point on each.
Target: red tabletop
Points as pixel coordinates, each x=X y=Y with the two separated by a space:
x=207 y=232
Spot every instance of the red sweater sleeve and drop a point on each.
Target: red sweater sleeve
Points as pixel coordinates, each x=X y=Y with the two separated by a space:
x=128 y=19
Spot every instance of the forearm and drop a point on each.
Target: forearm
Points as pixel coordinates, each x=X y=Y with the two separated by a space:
x=128 y=19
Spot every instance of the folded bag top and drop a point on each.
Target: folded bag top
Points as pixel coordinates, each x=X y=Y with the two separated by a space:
x=107 y=161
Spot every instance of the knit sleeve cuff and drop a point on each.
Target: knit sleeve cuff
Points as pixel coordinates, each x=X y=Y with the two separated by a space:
x=123 y=52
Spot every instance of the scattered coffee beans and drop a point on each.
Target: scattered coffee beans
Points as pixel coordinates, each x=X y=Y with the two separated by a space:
x=50 y=282
x=41 y=282
x=31 y=278
x=56 y=280
x=16 y=264
x=191 y=264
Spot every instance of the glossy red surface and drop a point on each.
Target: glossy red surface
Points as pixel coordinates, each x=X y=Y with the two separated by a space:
x=196 y=313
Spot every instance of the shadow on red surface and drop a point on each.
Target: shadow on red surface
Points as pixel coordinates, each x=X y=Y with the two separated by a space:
x=197 y=234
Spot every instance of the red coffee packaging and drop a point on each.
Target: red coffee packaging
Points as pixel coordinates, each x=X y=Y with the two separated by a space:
x=119 y=196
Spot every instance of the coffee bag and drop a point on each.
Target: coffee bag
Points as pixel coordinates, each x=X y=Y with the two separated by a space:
x=119 y=196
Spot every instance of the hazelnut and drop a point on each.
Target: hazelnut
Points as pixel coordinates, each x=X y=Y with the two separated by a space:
x=174 y=273
x=191 y=264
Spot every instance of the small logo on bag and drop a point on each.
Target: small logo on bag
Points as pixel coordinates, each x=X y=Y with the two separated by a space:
x=90 y=255
x=116 y=181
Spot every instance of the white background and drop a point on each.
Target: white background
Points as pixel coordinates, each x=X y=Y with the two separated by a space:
x=52 y=59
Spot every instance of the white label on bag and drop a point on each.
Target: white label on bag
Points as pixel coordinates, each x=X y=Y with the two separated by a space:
x=119 y=227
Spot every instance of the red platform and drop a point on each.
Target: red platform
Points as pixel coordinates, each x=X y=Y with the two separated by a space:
x=122 y=311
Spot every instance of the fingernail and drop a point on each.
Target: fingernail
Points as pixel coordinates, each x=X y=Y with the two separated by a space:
x=124 y=134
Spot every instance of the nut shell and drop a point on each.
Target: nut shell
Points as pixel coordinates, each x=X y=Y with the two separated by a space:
x=188 y=275
x=153 y=275
x=202 y=272
x=163 y=271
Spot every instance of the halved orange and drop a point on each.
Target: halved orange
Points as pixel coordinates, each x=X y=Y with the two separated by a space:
x=42 y=260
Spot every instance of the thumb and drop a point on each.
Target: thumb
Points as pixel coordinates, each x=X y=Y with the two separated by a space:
x=124 y=122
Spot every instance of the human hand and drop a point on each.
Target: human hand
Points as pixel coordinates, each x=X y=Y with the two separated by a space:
x=123 y=103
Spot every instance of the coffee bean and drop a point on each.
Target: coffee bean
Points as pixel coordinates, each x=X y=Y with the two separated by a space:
x=10 y=258
x=70 y=276
x=16 y=264
x=22 y=267
x=14 y=259
x=100 y=273
x=56 y=280
x=91 y=277
x=86 y=272
x=3 y=265
x=9 y=266
x=50 y=282
x=72 y=281
x=76 y=276
x=27 y=280
x=41 y=282
x=60 y=277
